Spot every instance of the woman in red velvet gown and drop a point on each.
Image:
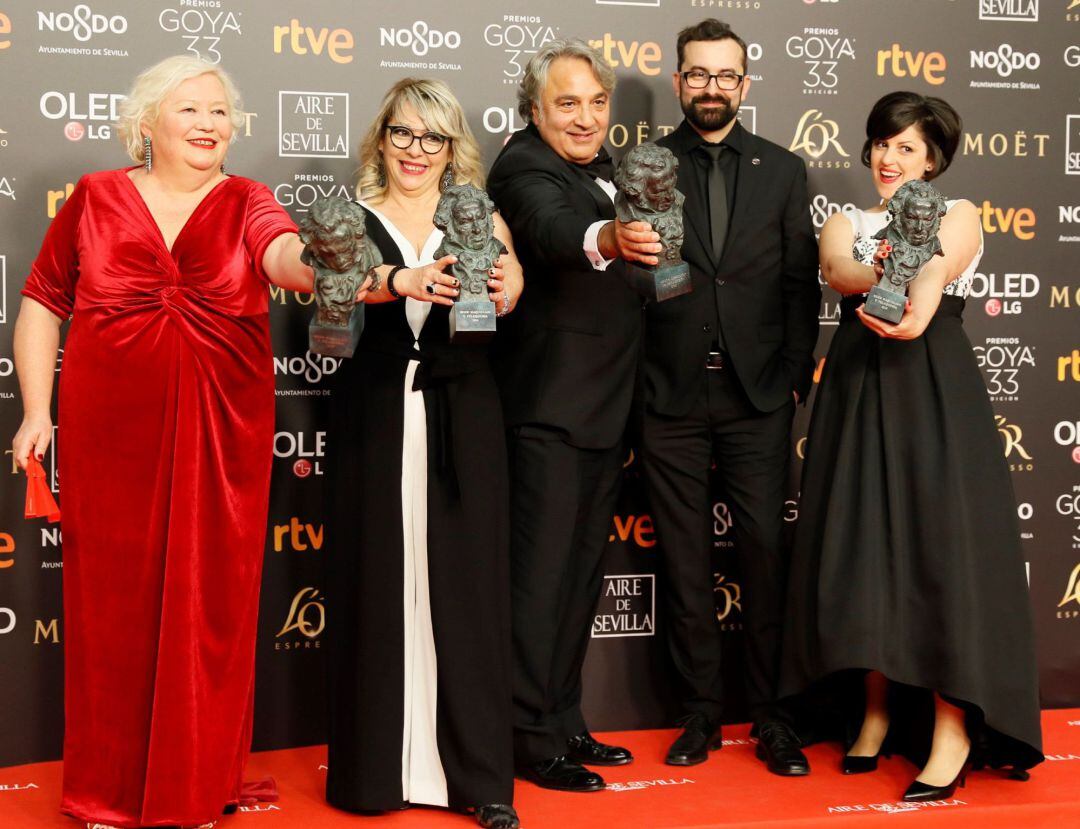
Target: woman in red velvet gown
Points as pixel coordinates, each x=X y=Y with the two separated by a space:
x=166 y=414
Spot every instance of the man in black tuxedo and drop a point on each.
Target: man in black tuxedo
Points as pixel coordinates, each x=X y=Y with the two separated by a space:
x=566 y=363
x=723 y=368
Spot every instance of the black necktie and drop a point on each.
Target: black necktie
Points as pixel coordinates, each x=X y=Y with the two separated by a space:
x=601 y=166
x=718 y=206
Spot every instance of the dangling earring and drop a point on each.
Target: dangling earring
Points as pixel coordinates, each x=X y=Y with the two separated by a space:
x=222 y=168
x=147 y=154
x=447 y=179
x=380 y=176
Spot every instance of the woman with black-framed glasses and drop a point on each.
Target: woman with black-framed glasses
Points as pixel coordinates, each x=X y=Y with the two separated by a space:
x=418 y=573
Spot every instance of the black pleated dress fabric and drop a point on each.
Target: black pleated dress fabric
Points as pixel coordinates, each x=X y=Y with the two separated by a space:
x=907 y=557
x=467 y=562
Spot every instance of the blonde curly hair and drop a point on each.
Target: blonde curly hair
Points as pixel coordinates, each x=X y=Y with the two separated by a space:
x=440 y=111
x=154 y=84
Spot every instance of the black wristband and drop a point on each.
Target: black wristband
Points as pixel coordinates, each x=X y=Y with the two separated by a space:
x=390 y=281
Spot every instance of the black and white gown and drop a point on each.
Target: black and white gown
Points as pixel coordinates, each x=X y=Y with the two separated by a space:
x=907 y=556
x=418 y=623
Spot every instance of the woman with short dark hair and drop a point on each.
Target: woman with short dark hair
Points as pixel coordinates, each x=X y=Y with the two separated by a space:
x=907 y=590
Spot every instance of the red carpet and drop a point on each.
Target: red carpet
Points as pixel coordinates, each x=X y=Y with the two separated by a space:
x=732 y=789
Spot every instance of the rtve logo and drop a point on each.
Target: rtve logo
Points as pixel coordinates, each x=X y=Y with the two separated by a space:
x=904 y=64
x=300 y=537
x=1068 y=367
x=646 y=57
x=53 y=199
x=7 y=551
x=5 y=29
x=337 y=43
x=1020 y=221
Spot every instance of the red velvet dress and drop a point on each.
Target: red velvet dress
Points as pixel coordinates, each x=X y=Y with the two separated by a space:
x=166 y=418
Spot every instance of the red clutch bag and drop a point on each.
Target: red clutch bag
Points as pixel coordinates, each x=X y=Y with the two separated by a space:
x=39 y=499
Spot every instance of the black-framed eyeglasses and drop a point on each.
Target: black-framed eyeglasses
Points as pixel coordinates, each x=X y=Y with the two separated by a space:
x=699 y=79
x=403 y=138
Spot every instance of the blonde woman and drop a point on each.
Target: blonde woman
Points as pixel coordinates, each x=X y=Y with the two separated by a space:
x=166 y=412
x=418 y=588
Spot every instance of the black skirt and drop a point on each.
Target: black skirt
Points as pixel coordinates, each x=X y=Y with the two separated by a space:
x=907 y=556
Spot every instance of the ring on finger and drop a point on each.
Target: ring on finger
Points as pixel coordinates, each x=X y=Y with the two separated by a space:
x=430 y=287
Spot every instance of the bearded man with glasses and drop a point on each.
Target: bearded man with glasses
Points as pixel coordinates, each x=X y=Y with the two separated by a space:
x=723 y=369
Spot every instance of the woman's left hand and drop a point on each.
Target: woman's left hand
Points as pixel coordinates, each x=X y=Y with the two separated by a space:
x=497 y=291
x=911 y=325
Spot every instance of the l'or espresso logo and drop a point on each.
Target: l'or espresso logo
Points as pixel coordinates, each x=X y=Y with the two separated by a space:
x=201 y=27
x=87 y=114
x=1072 y=145
x=336 y=44
x=1019 y=221
x=627 y=607
x=1022 y=11
x=822 y=50
x=305 y=620
x=1011 y=435
x=1004 y=294
x=1072 y=595
x=819 y=138
x=902 y=63
x=645 y=56
x=1068 y=505
x=1001 y=359
x=313 y=124
x=1003 y=144
x=304 y=190
x=728 y=598
x=518 y=37
x=1072 y=11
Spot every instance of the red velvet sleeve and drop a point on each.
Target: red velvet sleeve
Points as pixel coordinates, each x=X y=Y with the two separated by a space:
x=55 y=272
x=266 y=220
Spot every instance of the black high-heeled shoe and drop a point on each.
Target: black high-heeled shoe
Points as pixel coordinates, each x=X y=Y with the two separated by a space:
x=920 y=792
x=855 y=764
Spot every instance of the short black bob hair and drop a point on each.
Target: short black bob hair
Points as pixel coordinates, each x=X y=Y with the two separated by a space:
x=937 y=121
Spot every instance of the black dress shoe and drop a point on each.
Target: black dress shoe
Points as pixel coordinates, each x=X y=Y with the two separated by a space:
x=779 y=748
x=920 y=792
x=587 y=751
x=497 y=816
x=855 y=764
x=699 y=737
x=563 y=775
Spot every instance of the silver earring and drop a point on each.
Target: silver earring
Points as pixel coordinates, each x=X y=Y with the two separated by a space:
x=447 y=178
x=147 y=154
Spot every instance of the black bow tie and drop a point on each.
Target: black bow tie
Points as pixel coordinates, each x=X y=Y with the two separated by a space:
x=601 y=166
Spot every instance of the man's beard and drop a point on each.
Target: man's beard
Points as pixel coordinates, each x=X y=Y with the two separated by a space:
x=709 y=119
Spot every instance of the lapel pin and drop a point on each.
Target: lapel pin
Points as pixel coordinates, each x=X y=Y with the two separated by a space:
x=755 y=161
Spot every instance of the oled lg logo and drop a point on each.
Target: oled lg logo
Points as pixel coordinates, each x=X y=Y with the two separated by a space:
x=201 y=29
x=1021 y=11
x=87 y=115
x=1004 y=295
x=81 y=23
x=420 y=38
x=308 y=451
x=1067 y=433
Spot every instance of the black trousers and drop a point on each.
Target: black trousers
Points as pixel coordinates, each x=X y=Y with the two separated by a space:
x=751 y=450
x=561 y=504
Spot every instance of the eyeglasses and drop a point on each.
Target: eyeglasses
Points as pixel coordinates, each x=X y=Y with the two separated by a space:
x=403 y=138
x=699 y=79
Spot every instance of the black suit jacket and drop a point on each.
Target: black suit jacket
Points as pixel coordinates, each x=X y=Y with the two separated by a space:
x=566 y=358
x=764 y=293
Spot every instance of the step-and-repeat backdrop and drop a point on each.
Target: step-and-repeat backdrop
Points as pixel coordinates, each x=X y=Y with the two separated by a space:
x=312 y=75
